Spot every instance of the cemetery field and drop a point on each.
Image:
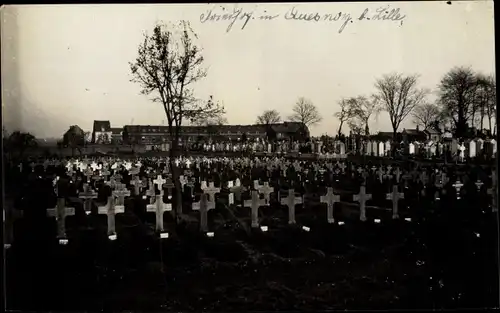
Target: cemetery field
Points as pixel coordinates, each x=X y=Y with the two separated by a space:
x=431 y=262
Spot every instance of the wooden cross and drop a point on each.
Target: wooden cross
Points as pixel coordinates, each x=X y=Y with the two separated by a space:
x=128 y=166
x=398 y=175
x=458 y=185
x=461 y=154
x=110 y=209
x=89 y=173
x=203 y=206
x=291 y=201
x=254 y=203
x=266 y=190
x=60 y=212
x=159 y=207
x=151 y=192
x=159 y=181
x=230 y=197
x=87 y=195
x=479 y=183
x=211 y=190
x=55 y=184
x=395 y=196
x=256 y=185
x=169 y=185
x=137 y=183
x=238 y=189
x=94 y=166
x=342 y=166
x=361 y=198
x=121 y=192
x=183 y=181
x=105 y=173
x=330 y=198
x=203 y=185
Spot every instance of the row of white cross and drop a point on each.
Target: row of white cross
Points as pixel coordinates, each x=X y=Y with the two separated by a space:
x=115 y=204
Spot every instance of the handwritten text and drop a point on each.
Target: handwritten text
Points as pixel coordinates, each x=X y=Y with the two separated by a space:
x=343 y=19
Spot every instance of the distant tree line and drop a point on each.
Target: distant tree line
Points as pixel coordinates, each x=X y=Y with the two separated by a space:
x=464 y=99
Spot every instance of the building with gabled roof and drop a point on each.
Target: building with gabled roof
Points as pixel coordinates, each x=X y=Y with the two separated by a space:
x=155 y=135
x=101 y=132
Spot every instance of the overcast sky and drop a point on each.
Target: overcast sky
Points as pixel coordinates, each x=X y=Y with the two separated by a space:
x=68 y=64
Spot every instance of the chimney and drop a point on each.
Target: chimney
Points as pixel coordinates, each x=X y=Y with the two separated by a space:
x=417 y=129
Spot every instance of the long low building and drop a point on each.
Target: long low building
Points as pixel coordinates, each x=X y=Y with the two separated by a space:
x=156 y=135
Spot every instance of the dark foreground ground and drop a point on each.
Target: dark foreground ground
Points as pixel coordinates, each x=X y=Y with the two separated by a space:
x=394 y=265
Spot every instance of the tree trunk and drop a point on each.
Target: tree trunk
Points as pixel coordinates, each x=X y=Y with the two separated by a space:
x=340 y=128
x=473 y=117
x=395 y=143
x=177 y=200
x=482 y=123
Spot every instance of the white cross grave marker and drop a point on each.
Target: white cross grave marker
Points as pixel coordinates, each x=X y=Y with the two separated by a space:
x=203 y=206
x=395 y=196
x=111 y=210
x=60 y=212
x=291 y=201
x=137 y=183
x=254 y=203
x=458 y=185
x=361 y=198
x=87 y=195
x=159 y=207
x=330 y=198
x=211 y=190
x=479 y=183
x=120 y=193
x=266 y=190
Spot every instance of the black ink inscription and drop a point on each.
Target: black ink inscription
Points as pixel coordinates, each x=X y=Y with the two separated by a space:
x=295 y=15
x=382 y=14
x=268 y=17
x=237 y=14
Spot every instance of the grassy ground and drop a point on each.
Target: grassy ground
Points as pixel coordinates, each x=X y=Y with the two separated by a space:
x=436 y=264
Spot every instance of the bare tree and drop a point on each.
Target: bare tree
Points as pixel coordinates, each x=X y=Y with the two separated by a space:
x=168 y=65
x=457 y=95
x=269 y=117
x=426 y=115
x=399 y=95
x=344 y=114
x=305 y=112
x=486 y=98
x=361 y=110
